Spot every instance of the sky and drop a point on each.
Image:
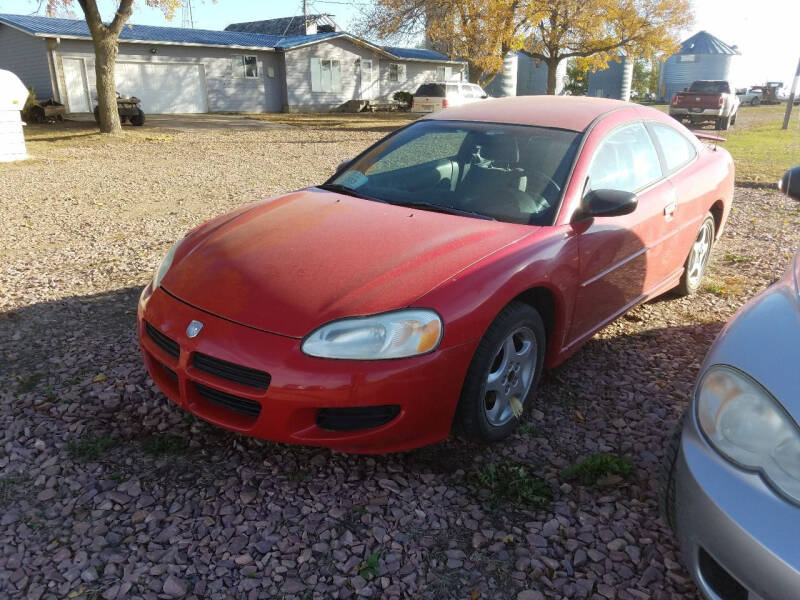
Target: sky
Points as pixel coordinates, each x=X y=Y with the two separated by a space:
x=766 y=31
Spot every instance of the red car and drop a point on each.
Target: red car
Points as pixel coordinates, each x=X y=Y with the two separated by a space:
x=431 y=279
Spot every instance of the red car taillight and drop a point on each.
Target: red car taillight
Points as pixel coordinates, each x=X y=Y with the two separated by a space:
x=675 y=99
x=721 y=101
x=444 y=103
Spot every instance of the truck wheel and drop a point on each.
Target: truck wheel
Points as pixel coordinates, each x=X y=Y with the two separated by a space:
x=723 y=123
x=138 y=118
x=755 y=101
x=733 y=118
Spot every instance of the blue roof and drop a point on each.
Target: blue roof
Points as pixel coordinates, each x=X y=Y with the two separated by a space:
x=703 y=42
x=149 y=33
x=51 y=26
x=418 y=53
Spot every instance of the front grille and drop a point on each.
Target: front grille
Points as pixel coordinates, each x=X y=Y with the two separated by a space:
x=169 y=372
x=719 y=580
x=231 y=371
x=168 y=345
x=243 y=406
x=353 y=418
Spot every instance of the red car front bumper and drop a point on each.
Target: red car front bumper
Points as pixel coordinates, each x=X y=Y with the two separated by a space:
x=422 y=390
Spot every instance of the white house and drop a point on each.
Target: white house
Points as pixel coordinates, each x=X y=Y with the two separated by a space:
x=176 y=70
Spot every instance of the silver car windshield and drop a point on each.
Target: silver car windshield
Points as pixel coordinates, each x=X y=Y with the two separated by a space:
x=512 y=173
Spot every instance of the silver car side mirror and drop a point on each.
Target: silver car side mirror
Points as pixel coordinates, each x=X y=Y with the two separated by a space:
x=790 y=183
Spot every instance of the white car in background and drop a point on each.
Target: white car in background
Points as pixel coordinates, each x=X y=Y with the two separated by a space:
x=436 y=96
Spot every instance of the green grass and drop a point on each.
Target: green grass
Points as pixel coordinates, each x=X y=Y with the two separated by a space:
x=369 y=568
x=510 y=483
x=164 y=444
x=89 y=447
x=737 y=258
x=596 y=467
x=761 y=150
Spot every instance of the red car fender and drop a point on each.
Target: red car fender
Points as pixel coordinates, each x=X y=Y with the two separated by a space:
x=547 y=260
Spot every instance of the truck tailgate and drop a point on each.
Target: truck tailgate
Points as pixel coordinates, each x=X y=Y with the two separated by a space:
x=697 y=100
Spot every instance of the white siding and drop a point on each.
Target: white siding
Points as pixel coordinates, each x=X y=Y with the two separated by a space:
x=226 y=93
x=298 y=74
x=26 y=56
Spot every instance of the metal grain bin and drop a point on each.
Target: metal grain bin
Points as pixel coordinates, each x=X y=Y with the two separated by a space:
x=702 y=56
x=524 y=75
x=614 y=81
x=12 y=100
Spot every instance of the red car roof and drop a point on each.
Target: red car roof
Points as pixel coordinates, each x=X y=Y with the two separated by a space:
x=563 y=112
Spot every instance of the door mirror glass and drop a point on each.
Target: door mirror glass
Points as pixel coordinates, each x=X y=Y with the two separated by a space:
x=606 y=203
x=790 y=183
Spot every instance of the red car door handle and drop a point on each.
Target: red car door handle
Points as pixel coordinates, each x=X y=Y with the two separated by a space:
x=669 y=209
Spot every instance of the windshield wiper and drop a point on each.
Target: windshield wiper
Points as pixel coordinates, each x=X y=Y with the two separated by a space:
x=343 y=189
x=450 y=210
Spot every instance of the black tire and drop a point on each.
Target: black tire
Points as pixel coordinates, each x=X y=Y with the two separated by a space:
x=138 y=118
x=471 y=414
x=733 y=118
x=755 y=101
x=690 y=283
x=96 y=114
x=666 y=480
x=723 y=123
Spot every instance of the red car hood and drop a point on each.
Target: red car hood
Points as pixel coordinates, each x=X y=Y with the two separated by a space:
x=292 y=263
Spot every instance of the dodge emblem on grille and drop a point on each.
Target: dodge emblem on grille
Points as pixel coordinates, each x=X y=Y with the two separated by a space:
x=194 y=328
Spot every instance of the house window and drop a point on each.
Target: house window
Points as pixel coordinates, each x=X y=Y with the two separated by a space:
x=446 y=74
x=397 y=72
x=326 y=75
x=244 y=66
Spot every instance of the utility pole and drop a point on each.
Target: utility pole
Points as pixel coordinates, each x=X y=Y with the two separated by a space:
x=305 y=16
x=187 y=19
x=790 y=101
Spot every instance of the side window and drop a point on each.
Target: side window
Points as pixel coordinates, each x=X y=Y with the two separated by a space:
x=244 y=66
x=677 y=150
x=625 y=160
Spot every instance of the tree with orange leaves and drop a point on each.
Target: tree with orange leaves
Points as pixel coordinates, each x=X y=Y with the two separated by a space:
x=483 y=31
x=105 y=37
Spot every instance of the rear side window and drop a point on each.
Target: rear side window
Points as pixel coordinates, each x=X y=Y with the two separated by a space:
x=626 y=160
x=675 y=148
x=452 y=89
x=435 y=90
x=710 y=87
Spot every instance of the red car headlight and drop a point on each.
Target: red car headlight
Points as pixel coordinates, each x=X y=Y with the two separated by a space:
x=397 y=334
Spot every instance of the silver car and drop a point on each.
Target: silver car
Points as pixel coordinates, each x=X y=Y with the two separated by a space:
x=731 y=490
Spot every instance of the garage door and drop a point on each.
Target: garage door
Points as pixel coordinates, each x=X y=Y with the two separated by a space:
x=164 y=88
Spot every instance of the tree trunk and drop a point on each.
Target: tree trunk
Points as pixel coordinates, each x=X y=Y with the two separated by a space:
x=552 y=69
x=105 y=50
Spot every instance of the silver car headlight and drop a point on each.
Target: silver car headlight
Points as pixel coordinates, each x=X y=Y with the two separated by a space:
x=398 y=334
x=750 y=428
x=164 y=266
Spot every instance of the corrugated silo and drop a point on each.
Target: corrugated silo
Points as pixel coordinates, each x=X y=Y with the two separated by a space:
x=702 y=56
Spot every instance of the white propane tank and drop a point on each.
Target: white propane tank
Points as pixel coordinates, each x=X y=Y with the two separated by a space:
x=13 y=94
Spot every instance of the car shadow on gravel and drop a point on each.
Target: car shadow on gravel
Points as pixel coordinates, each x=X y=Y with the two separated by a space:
x=74 y=388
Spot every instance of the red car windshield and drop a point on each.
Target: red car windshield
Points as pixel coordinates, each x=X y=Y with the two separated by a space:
x=513 y=173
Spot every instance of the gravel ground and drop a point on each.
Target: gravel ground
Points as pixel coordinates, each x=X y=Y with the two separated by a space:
x=108 y=491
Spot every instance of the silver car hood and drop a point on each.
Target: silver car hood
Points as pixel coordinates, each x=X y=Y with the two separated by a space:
x=763 y=340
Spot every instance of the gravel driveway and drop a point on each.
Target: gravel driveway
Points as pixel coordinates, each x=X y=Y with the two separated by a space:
x=108 y=491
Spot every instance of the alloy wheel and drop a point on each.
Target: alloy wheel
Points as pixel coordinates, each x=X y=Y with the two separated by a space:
x=510 y=376
x=701 y=249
